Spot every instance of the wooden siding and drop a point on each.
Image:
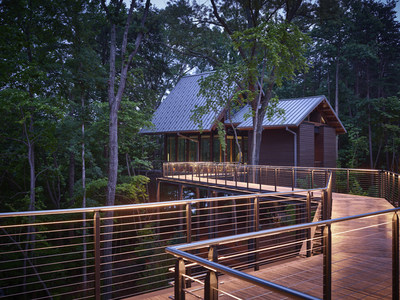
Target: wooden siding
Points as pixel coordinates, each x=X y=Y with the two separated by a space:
x=305 y=145
x=329 y=146
x=276 y=148
x=319 y=148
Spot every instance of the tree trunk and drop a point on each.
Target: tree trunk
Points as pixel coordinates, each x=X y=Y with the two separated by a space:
x=337 y=102
x=113 y=125
x=371 y=159
x=71 y=174
x=113 y=155
x=84 y=255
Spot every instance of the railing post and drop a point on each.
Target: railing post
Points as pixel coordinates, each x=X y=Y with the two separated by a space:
x=348 y=181
x=97 y=271
x=199 y=171
x=308 y=234
x=312 y=179
x=324 y=200
x=292 y=179
x=185 y=170
x=247 y=173
x=188 y=223
x=158 y=190
x=327 y=272
x=235 y=176
x=256 y=228
x=188 y=234
x=259 y=178
x=216 y=175
x=179 y=291
x=226 y=179
x=395 y=256
x=211 y=281
x=275 y=179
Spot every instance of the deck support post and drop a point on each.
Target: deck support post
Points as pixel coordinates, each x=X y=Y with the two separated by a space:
x=179 y=291
x=211 y=281
x=395 y=256
x=327 y=253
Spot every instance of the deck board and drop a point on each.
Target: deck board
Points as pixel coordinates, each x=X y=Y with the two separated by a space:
x=361 y=261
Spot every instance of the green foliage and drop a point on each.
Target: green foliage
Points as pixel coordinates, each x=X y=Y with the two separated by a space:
x=129 y=190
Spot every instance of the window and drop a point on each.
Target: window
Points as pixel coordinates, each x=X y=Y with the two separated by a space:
x=205 y=148
x=181 y=149
x=192 y=149
x=171 y=149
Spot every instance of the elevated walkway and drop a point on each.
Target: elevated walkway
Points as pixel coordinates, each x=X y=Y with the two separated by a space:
x=361 y=260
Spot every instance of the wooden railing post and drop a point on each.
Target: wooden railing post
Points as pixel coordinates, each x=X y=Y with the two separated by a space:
x=395 y=256
x=97 y=270
x=327 y=258
x=211 y=281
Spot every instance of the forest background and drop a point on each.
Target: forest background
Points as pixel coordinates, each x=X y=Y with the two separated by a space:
x=55 y=74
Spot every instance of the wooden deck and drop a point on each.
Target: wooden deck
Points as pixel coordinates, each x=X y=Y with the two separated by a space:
x=237 y=186
x=361 y=260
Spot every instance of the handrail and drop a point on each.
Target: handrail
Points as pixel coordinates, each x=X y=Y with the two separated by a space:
x=151 y=205
x=238 y=274
x=179 y=252
x=273 y=231
x=281 y=167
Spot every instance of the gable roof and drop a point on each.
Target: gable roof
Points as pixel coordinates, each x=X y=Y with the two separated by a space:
x=173 y=114
x=296 y=111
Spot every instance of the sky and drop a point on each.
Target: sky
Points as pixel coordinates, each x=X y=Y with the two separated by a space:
x=163 y=3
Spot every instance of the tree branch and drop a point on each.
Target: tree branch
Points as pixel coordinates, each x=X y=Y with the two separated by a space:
x=30 y=262
x=125 y=36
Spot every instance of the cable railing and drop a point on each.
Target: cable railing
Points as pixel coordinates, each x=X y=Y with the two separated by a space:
x=247 y=177
x=119 y=251
x=344 y=269
x=364 y=182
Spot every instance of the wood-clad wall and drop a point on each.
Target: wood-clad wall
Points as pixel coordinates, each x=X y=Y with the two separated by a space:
x=305 y=145
x=276 y=148
x=329 y=146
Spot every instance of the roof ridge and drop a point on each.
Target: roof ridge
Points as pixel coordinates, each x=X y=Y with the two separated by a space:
x=299 y=98
x=200 y=74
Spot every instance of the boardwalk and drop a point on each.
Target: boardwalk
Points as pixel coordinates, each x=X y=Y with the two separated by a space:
x=361 y=260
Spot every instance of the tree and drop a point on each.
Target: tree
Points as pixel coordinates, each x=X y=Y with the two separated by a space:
x=127 y=54
x=269 y=50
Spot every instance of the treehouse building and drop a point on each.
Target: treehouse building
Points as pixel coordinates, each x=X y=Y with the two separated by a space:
x=305 y=135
